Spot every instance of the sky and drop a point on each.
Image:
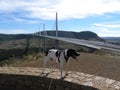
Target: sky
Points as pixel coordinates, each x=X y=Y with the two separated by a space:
x=29 y=16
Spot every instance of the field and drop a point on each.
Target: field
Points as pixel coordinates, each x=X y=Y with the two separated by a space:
x=12 y=52
x=102 y=65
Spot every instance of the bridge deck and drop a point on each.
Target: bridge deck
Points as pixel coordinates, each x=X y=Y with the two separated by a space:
x=92 y=44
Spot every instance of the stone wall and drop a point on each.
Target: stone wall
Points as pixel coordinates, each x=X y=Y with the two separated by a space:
x=21 y=78
x=25 y=82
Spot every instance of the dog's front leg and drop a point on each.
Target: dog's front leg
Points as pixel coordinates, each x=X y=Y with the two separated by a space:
x=61 y=69
x=66 y=67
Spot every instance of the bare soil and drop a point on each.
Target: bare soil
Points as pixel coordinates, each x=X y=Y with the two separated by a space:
x=105 y=66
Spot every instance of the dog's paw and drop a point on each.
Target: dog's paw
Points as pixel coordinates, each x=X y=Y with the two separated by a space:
x=66 y=74
x=61 y=78
x=42 y=73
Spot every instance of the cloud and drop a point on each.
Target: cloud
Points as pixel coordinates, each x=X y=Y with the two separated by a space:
x=15 y=31
x=108 y=33
x=107 y=25
x=17 y=18
x=25 y=20
x=103 y=32
x=35 y=11
x=45 y=9
x=74 y=9
x=106 y=29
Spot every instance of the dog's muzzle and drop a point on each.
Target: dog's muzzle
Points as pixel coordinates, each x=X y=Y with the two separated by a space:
x=76 y=57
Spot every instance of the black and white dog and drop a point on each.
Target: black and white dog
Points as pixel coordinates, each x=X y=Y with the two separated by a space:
x=60 y=56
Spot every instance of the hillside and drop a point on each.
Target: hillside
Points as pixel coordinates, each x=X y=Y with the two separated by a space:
x=115 y=39
x=19 y=44
x=19 y=40
x=78 y=35
x=7 y=37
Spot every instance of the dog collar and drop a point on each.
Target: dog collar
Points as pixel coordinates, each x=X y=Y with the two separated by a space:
x=59 y=56
x=65 y=56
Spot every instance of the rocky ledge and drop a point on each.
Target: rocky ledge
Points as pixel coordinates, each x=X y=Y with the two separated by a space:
x=78 y=78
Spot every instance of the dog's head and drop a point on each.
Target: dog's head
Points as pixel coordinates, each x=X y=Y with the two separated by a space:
x=72 y=53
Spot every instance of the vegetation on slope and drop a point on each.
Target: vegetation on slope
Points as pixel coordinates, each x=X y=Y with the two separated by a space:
x=20 y=45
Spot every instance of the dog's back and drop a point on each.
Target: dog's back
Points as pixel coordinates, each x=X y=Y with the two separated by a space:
x=52 y=54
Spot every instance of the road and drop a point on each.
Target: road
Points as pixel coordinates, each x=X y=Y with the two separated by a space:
x=89 y=43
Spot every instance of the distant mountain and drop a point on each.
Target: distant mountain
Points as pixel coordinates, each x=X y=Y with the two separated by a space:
x=6 y=37
x=78 y=35
x=18 y=44
x=69 y=34
x=117 y=39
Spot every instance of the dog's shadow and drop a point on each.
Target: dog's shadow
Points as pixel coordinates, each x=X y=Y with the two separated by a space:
x=64 y=76
x=46 y=74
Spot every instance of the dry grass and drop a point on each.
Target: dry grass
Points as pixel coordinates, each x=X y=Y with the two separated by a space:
x=106 y=66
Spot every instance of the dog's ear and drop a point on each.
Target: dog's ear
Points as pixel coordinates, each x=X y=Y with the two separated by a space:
x=77 y=54
x=71 y=52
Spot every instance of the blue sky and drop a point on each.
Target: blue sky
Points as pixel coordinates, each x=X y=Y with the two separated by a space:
x=27 y=16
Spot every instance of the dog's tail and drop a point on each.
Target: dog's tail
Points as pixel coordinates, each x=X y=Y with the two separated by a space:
x=46 y=53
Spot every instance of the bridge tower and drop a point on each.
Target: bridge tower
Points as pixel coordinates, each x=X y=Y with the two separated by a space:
x=44 y=42
x=56 y=41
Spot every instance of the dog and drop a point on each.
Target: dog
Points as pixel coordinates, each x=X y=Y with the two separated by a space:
x=60 y=57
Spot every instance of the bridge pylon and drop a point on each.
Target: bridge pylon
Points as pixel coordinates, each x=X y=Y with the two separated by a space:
x=56 y=41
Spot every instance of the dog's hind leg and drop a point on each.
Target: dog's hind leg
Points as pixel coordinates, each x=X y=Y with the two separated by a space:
x=44 y=65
